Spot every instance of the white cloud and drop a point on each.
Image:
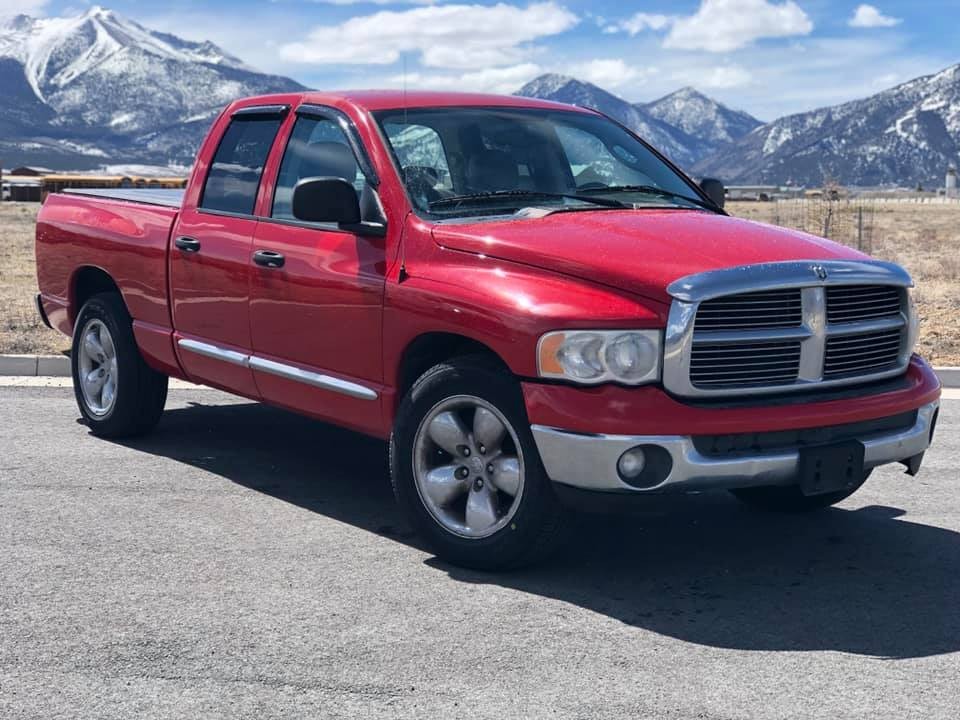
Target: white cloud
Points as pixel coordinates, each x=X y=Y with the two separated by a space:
x=605 y=73
x=376 y=2
x=640 y=22
x=867 y=16
x=718 y=78
x=503 y=81
x=725 y=25
x=454 y=36
x=22 y=7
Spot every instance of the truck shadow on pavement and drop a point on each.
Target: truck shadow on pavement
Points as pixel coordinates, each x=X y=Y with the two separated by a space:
x=702 y=569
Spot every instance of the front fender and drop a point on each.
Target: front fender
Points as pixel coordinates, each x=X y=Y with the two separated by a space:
x=505 y=306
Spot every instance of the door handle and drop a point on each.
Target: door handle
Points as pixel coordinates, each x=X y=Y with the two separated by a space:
x=269 y=259
x=187 y=244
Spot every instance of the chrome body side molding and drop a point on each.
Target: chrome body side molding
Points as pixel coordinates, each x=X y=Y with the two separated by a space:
x=215 y=352
x=290 y=372
x=311 y=378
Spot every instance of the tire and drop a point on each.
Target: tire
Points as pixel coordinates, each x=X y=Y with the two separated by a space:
x=789 y=499
x=506 y=531
x=139 y=393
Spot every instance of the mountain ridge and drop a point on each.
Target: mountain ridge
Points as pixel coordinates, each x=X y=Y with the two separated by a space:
x=99 y=89
x=657 y=122
x=906 y=135
x=96 y=88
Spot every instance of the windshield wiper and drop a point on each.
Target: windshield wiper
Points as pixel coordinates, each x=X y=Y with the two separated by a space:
x=501 y=194
x=654 y=190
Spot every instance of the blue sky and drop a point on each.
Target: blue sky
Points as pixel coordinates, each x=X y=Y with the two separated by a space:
x=769 y=57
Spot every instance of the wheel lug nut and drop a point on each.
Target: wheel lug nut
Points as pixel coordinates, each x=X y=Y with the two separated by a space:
x=465 y=451
x=461 y=473
x=478 y=484
x=482 y=449
x=490 y=468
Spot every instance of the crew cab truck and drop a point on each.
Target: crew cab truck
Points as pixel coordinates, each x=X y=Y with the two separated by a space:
x=527 y=300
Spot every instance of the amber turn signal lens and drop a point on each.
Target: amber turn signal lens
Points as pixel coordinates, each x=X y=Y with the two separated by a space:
x=548 y=353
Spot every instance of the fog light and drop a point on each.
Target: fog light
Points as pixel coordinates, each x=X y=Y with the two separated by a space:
x=632 y=463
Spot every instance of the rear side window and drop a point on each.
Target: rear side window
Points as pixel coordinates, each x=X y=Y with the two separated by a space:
x=317 y=148
x=234 y=176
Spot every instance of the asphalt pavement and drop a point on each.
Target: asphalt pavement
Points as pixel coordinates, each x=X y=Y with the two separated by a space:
x=243 y=562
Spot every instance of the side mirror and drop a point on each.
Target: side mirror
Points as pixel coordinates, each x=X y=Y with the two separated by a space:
x=326 y=199
x=714 y=190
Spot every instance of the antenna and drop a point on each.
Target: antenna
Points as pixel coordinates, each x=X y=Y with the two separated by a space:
x=404 y=56
x=402 y=275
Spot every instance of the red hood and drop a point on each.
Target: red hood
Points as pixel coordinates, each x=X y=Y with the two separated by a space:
x=638 y=251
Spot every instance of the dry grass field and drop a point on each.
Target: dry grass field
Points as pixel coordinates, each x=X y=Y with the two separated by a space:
x=923 y=238
x=21 y=330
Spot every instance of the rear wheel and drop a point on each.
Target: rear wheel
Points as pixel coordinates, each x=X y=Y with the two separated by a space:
x=118 y=394
x=789 y=498
x=466 y=471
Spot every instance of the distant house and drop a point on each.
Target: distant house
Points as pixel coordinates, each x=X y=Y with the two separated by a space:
x=30 y=171
x=17 y=188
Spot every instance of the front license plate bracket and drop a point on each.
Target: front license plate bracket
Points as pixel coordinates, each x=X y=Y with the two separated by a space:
x=831 y=468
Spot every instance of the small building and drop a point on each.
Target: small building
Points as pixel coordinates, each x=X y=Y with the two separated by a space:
x=30 y=171
x=752 y=192
x=18 y=188
x=59 y=183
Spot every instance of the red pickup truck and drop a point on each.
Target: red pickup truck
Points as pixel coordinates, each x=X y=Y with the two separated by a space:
x=525 y=298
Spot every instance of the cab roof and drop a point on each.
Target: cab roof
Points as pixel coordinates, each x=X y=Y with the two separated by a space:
x=374 y=100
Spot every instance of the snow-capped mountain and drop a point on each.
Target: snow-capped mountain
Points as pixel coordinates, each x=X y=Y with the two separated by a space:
x=702 y=117
x=686 y=125
x=680 y=147
x=904 y=136
x=80 y=91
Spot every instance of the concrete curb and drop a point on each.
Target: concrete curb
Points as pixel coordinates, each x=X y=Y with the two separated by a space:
x=59 y=366
x=949 y=376
x=35 y=365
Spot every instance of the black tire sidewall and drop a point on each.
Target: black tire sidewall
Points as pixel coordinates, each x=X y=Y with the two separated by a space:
x=127 y=414
x=518 y=541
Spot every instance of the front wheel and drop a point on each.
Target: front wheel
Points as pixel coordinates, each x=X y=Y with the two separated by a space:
x=118 y=394
x=788 y=498
x=466 y=471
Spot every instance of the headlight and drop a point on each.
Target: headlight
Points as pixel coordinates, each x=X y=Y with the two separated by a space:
x=631 y=357
x=913 y=323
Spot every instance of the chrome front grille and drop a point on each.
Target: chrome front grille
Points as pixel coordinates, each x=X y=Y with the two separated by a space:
x=720 y=365
x=856 y=303
x=783 y=327
x=866 y=353
x=775 y=308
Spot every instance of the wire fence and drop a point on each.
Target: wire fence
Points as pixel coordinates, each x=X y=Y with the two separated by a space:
x=850 y=222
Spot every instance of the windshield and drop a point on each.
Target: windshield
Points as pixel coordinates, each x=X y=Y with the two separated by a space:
x=470 y=161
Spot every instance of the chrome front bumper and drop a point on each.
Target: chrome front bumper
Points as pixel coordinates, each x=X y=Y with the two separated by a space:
x=589 y=462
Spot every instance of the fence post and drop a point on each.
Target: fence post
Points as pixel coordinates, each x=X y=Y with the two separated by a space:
x=860 y=228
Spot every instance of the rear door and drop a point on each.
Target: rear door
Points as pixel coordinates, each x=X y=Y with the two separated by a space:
x=316 y=320
x=210 y=257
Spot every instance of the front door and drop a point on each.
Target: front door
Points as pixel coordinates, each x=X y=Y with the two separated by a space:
x=315 y=319
x=210 y=258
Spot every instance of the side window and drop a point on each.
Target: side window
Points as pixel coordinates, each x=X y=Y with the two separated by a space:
x=234 y=176
x=317 y=148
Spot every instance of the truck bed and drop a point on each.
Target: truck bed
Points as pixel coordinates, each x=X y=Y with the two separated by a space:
x=147 y=196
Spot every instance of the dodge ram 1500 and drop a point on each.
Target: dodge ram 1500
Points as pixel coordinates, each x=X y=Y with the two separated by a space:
x=527 y=300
